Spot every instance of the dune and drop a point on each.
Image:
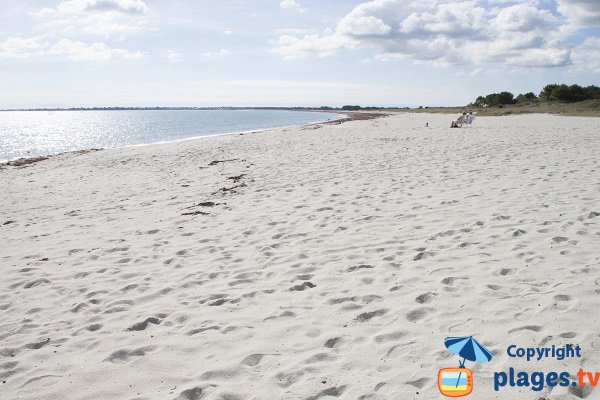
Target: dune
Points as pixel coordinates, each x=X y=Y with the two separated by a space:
x=300 y=263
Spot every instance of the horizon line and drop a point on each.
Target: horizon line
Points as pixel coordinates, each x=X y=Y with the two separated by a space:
x=166 y=108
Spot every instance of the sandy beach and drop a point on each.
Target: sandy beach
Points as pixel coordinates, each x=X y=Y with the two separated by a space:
x=317 y=262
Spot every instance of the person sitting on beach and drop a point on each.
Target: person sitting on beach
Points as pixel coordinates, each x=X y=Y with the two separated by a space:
x=459 y=121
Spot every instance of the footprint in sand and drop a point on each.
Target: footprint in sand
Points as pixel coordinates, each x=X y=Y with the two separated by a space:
x=534 y=328
x=423 y=255
x=124 y=356
x=302 y=287
x=582 y=392
x=220 y=374
x=357 y=267
x=35 y=283
x=319 y=357
x=253 y=294
x=286 y=379
x=331 y=343
x=425 y=298
x=253 y=360
x=419 y=383
x=568 y=335
x=218 y=302
x=367 y=316
x=285 y=314
x=140 y=326
x=331 y=392
x=419 y=314
x=450 y=280
x=212 y=298
x=240 y=282
x=79 y=307
x=38 y=378
x=94 y=327
x=368 y=299
x=562 y=302
x=507 y=271
x=200 y=330
x=191 y=394
x=340 y=300
x=37 y=345
x=390 y=337
x=129 y=287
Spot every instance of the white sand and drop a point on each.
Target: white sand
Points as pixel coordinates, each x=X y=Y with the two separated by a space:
x=339 y=268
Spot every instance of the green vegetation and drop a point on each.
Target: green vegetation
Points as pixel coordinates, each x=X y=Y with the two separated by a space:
x=587 y=108
x=569 y=94
x=495 y=99
x=573 y=100
x=550 y=93
x=561 y=99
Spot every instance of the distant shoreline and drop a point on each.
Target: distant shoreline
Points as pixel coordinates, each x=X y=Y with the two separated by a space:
x=316 y=109
x=586 y=108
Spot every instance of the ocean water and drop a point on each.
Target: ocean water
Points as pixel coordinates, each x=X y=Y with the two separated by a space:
x=40 y=133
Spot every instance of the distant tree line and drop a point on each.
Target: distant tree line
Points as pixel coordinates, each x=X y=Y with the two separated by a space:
x=569 y=94
x=553 y=92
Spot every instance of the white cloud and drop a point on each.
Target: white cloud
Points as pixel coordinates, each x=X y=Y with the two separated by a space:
x=99 y=17
x=454 y=19
x=107 y=25
x=581 y=12
x=134 y=7
x=443 y=32
x=173 y=56
x=587 y=55
x=541 y=57
x=292 y=47
x=64 y=25
x=16 y=47
x=217 y=55
x=363 y=26
x=524 y=18
x=98 y=52
x=291 y=5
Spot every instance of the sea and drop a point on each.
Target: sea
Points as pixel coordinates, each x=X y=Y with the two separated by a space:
x=26 y=134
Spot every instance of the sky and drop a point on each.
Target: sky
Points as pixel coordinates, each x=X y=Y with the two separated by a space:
x=85 y=53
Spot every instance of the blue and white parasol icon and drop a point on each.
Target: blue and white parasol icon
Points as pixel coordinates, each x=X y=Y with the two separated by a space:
x=469 y=349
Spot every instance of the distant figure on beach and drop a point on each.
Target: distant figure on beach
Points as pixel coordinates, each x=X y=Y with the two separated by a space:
x=463 y=119
x=426 y=124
